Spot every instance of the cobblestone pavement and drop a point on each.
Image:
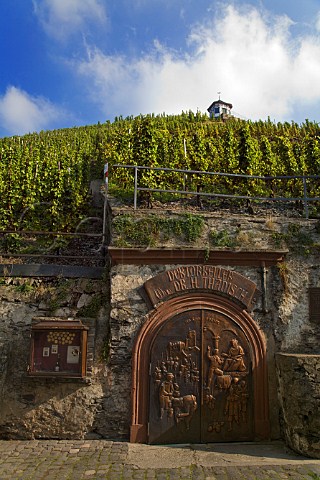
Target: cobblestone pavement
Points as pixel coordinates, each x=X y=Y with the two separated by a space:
x=102 y=459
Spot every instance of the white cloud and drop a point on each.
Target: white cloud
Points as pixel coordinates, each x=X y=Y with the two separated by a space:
x=317 y=22
x=21 y=113
x=60 y=18
x=249 y=55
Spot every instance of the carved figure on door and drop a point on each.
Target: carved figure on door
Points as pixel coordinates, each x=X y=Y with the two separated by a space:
x=233 y=404
x=165 y=394
x=215 y=364
x=234 y=358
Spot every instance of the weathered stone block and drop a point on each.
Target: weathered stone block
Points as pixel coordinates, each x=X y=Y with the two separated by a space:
x=299 y=391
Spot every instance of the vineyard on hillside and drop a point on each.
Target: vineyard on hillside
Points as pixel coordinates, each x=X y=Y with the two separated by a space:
x=45 y=177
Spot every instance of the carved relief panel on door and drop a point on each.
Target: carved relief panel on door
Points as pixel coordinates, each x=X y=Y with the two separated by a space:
x=200 y=380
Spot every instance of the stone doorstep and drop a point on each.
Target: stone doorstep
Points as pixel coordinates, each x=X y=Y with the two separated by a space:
x=240 y=454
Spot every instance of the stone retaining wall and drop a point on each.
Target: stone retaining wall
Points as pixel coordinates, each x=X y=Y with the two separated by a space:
x=299 y=395
x=50 y=407
x=114 y=310
x=282 y=311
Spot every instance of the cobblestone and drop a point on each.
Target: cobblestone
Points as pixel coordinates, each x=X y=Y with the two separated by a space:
x=105 y=460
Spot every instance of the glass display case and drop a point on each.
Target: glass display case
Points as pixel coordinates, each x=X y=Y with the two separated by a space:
x=58 y=348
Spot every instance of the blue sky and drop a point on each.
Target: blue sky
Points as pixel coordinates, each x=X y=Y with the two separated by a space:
x=76 y=62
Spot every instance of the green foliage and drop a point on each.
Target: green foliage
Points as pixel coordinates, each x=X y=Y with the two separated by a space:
x=222 y=238
x=58 y=296
x=10 y=242
x=192 y=226
x=151 y=229
x=24 y=287
x=45 y=177
x=296 y=238
x=314 y=476
x=93 y=308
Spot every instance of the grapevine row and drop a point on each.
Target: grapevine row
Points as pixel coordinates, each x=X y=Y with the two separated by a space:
x=45 y=177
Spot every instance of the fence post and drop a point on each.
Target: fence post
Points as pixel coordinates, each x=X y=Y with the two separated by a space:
x=135 y=194
x=185 y=156
x=106 y=184
x=306 y=209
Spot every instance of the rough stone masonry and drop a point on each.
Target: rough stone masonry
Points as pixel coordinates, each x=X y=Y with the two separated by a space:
x=98 y=405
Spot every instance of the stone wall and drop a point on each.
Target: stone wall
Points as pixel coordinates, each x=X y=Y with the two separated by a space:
x=287 y=301
x=282 y=311
x=51 y=407
x=114 y=310
x=299 y=395
x=129 y=311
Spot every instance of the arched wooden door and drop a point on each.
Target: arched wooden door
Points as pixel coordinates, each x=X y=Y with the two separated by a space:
x=199 y=374
x=201 y=380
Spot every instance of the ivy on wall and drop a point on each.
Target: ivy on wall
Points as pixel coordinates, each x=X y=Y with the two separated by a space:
x=150 y=230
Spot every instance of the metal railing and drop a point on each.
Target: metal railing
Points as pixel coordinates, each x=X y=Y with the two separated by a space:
x=305 y=199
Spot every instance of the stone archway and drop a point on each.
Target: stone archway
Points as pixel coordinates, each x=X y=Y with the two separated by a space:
x=208 y=317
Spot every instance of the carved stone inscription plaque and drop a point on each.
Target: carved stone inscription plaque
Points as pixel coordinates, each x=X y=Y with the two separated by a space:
x=201 y=278
x=200 y=381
